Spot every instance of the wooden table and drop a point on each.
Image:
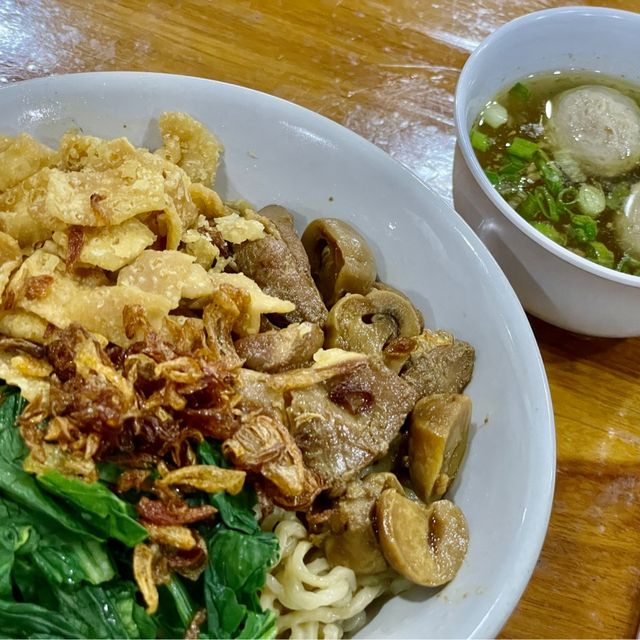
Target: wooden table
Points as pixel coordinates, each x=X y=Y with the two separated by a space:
x=387 y=69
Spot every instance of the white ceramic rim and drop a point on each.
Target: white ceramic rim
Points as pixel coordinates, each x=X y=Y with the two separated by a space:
x=464 y=140
x=496 y=615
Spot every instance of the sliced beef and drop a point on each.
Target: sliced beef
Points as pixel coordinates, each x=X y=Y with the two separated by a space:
x=279 y=265
x=347 y=422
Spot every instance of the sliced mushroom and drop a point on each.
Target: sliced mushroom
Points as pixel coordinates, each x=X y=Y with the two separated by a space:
x=383 y=286
x=280 y=350
x=439 y=364
x=353 y=541
x=438 y=433
x=280 y=267
x=425 y=544
x=341 y=260
x=368 y=324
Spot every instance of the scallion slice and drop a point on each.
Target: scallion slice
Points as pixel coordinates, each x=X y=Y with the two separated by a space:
x=522 y=148
x=495 y=115
x=597 y=252
x=584 y=228
x=480 y=141
x=551 y=232
x=519 y=91
x=591 y=200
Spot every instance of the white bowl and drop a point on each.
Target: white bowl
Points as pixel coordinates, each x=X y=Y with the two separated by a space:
x=552 y=282
x=279 y=152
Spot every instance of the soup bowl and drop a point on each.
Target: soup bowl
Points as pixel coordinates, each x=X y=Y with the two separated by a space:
x=552 y=282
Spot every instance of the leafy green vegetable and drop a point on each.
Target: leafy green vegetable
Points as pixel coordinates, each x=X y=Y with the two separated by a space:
x=236 y=571
x=240 y=555
x=235 y=511
x=99 y=505
x=15 y=482
x=26 y=620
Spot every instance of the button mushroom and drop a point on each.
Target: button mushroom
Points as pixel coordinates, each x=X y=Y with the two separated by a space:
x=438 y=431
x=341 y=260
x=281 y=350
x=425 y=544
x=353 y=542
x=368 y=324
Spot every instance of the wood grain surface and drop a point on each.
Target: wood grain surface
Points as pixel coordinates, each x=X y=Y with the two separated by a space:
x=387 y=69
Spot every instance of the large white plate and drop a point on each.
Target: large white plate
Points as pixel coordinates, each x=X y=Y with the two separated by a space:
x=279 y=152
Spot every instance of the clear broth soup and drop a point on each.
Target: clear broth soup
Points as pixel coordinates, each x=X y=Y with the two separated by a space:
x=589 y=214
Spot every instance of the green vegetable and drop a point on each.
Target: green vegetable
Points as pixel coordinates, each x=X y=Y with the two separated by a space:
x=627 y=264
x=617 y=195
x=591 y=200
x=493 y=176
x=480 y=141
x=584 y=228
x=520 y=91
x=522 y=148
x=549 y=172
x=17 y=484
x=551 y=232
x=26 y=620
x=235 y=573
x=177 y=609
x=240 y=554
x=597 y=252
x=99 y=505
x=495 y=115
x=235 y=511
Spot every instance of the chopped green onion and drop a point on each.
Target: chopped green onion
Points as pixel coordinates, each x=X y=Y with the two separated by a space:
x=519 y=91
x=568 y=196
x=584 y=228
x=551 y=232
x=495 y=115
x=522 y=148
x=628 y=264
x=617 y=195
x=597 y=252
x=591 y=200
x=530 y=208
x=549 y=172
x=512 y=168
x=493 y=176
x=480 y=141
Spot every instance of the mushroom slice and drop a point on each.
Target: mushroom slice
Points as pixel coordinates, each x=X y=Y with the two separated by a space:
x=352 y=541
x=438 y=433
x=341 y=260
x=281 y=350
x=425 y=544
x=368 y=324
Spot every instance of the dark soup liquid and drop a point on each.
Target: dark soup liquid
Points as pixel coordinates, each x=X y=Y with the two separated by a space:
x=563 y=149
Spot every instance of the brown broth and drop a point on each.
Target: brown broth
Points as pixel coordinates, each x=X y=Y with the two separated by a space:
x=527 y=119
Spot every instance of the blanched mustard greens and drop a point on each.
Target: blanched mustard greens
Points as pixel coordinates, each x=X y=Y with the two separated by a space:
x=563 y=149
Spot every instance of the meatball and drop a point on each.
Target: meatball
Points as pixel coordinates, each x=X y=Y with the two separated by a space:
x=627 y=223
x=599 y=127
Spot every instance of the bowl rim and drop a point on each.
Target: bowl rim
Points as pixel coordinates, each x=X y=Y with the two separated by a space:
x=464 y=142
